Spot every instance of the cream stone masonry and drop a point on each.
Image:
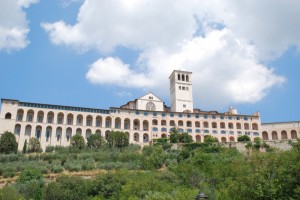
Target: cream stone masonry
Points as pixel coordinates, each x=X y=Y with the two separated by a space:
x=142 y=119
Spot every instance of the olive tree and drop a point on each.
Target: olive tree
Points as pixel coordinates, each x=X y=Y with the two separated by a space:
x=8 y=143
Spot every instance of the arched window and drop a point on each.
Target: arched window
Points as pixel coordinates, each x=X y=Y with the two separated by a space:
x=7 y=116
x=150 y=106
x=178 y=77
x=187 y=78
x=182 y=77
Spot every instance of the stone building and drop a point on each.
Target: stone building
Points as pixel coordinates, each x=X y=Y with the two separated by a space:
x=143 y=119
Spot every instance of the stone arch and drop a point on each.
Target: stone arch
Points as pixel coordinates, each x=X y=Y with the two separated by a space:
x=48 y=133
x=214 y=125
x=265 y=135
x=28 y=130
x=231 y=139
x=136 y=137
x=136 y=124
x=40 y=116
x=180 y=123
x=238 y=125
x=88 y=133
x=20 y=115
x=69 y=134
x=145 y=137
x=8 y=115
x=50 y=117
x=197 y=124
x=145 y=125
x=70 y=119
x=78 y=131
x=246 y=126
x=163 y=135
x=274 y=135
x=118 y=123
x=127 y=124
x=106 y=134
x=98 y=132
x=89 y=120
x=154 y=122
x=172 y=123
x=60 y=118
x=198 y=138
x=188 y=124
x=79 y=120
x=30 y=115
x=230 y=125
x=17 y=132
x=58 y=135
x=163 y=122
x=98 y=121
x=222 y=125
x=255 y=126
x=223 y=140
x=284 y=135
x=38 y=132
x=150 y=106
x=108 y=121
x=294 y=134
x=205 y=124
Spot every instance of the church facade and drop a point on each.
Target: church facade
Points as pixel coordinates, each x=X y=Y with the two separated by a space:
x=143 y=119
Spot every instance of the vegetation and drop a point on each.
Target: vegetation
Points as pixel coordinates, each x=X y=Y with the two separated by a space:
x=243 y=138
x=34 y=146
x=77 y=141
x=117 y=139
x=154 y=172
x=8 y=143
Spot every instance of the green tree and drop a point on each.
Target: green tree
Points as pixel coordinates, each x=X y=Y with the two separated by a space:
x=210 y=139
x=67 y=187
x=95 y=141
x=174 y=135
x=25 y=147
x=117 y=139
x=185 y=138
x=34 y=146
x=8 y=143
x=243 y=138
x=77 y=141
x=9 y=193
x=29 y=174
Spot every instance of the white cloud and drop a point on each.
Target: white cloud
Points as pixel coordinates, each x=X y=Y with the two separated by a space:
x=222 y=42
x=13 y=24
x=114 y=72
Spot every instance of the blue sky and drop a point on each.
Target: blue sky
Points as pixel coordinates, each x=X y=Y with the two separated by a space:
x=101 y=53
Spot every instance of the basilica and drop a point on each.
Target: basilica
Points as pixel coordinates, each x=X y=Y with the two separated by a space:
x=143 y=119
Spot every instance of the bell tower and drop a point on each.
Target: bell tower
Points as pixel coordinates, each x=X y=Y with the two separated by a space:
x=181 y=91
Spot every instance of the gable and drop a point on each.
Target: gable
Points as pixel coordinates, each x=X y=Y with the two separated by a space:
x=150 y=97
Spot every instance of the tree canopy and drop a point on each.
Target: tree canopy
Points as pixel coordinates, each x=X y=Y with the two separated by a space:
x=8 y=143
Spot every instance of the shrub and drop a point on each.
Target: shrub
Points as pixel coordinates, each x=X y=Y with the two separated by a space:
x=243 y=138
x=57 y=169
x=77 y=141
x=95 y=141
x=34 y=146
x=29 y=174
x=8 y=143
x=49 y=149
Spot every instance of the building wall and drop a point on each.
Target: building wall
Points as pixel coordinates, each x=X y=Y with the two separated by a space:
x=141 y=126
x=280 y=131
x=181 y=91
